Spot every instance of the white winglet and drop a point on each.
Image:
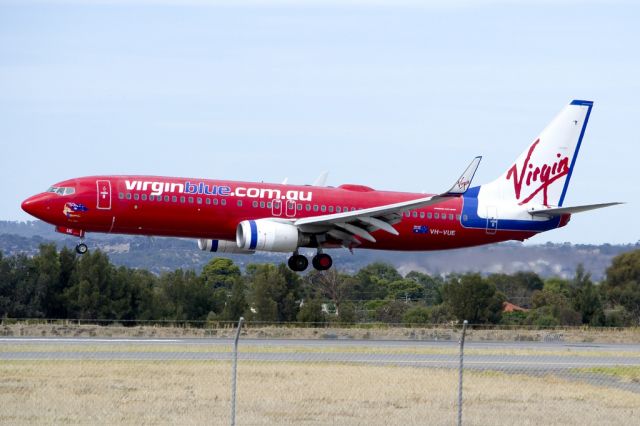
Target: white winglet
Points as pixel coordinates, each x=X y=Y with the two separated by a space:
x=322 y=179
x=464 y=182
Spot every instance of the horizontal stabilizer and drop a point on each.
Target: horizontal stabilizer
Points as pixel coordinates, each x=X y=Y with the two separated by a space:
x=569 y=210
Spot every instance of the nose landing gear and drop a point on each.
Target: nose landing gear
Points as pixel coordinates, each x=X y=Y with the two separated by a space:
x=82 y=248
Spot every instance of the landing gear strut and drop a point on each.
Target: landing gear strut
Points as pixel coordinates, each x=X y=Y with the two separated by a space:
x=82 y=248
x=298 y=262
x=322 y=261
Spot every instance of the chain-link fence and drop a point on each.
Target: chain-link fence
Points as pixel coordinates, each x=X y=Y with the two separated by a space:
x=289 y=375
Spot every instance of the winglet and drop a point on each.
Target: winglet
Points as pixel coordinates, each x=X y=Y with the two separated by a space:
x=322 y=179
x=464 y=182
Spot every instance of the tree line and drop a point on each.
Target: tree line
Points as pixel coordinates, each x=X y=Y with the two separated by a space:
x=58 y=284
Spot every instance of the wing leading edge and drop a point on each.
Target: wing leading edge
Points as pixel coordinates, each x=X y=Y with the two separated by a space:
x=349 y=227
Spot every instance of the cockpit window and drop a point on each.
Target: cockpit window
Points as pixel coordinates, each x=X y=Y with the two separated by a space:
x=62 y=190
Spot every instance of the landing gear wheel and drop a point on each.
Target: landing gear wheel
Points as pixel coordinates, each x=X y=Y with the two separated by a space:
x=322 y=261
x=82 y=248
x=298 y=263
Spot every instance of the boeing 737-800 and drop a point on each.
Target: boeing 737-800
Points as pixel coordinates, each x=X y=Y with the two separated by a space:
x=244 y=217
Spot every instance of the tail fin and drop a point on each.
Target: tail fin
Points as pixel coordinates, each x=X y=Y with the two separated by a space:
x=541 y=174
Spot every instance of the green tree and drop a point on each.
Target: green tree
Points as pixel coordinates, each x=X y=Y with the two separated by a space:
x=622 y=284
x=371 y=282
x=220 y=272
x=237 y=304
x=311 y=312
x=431 y=287
x=273 y=290
x=587 y=300
x=405 y=289
x=558 y=285
x=417 y=315
x=472 y=298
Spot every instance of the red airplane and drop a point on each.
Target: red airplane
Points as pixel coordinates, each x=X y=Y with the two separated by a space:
x=244 y=217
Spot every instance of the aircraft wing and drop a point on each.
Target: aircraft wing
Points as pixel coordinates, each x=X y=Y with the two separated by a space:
x=346 y=226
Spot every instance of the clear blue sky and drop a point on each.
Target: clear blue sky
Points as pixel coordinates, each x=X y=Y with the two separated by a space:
x=397 y=95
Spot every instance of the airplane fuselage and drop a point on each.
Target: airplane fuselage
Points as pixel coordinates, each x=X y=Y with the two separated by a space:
x=212 y=209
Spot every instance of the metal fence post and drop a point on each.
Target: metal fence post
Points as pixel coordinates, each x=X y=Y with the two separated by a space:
x=464 y=331
x=234 y=371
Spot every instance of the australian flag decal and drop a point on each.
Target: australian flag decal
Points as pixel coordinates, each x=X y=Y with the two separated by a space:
x=420 y=229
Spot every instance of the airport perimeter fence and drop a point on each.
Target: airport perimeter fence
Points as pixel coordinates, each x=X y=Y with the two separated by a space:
x=286 y=375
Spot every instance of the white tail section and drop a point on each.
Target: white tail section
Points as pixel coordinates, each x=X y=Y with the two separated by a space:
x=541 y=174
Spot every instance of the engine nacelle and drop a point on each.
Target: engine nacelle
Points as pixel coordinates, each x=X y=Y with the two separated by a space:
x=221 y=246
x=269 y=235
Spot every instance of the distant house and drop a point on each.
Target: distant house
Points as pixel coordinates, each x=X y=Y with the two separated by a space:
x=510 y=307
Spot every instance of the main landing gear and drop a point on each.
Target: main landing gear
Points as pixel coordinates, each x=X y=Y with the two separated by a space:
x=320 y=261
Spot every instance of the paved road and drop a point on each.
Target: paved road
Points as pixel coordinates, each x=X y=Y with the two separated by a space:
x=512 y=356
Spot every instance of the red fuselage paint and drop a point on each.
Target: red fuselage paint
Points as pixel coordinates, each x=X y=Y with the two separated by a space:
x=212 y=209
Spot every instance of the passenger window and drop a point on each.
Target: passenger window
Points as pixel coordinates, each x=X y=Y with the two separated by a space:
x=308 y=207
x=183 y=199
x=457 y=217
x=166 y=198
x=436 y=215
x=421 y=215
x=144 y=197
x=315 y=207
x=353 y=209
x=254 y=204
x=239 y=203
x=128 y=195
x=330 y=209
x=152 y=197
x=269 y=205
x=199 y=200
x=415 y=214
x=174 y=198
x=338 y=209
x=262 y=204
x=136 y=196
x=223 y=202
x=215 y=201
x=208 y=201
x=191 y=200
x=407 y=214
x=429 y=215
x=323 y=208
x=121 y=196
x=299 y=207
x=450 y=216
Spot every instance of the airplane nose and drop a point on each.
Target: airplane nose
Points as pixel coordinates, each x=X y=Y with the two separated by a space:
x=35 y=205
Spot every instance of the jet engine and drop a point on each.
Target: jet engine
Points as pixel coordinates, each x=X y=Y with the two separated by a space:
x=269 y=235
x=221 y=246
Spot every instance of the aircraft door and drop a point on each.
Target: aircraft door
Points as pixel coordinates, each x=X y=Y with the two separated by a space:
x=492 y=220
x=103 y=191
x=291 y=208
x=276 y=208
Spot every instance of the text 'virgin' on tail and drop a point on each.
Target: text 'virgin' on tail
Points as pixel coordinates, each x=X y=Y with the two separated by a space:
x=541 y=174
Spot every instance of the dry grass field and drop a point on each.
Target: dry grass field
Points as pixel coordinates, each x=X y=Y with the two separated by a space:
x=364 y=331
x=197 y=392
